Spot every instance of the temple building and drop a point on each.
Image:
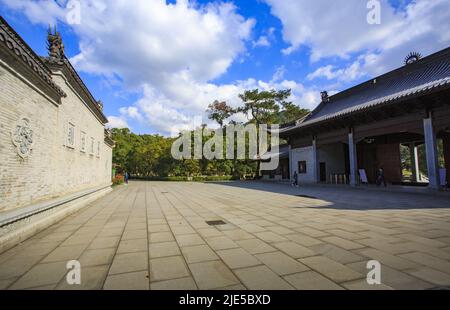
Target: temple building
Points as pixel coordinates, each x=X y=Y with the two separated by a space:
x=353 y=134
x=55 y=152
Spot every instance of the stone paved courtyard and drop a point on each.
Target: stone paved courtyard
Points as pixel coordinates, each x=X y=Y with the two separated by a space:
x=154 y=235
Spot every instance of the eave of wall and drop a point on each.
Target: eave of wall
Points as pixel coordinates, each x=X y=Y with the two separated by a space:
x=19 y=56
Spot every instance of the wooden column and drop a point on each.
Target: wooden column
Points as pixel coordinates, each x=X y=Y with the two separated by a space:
x=431 y=153
x=315 y=161
x=414 y=162
x=353 y=159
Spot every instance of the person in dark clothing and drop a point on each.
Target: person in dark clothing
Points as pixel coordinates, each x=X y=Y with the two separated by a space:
x=126 y=177
x=380 y=177
x=295 y=179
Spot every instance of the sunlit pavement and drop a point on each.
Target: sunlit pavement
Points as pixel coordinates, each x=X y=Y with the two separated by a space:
x=155 y=235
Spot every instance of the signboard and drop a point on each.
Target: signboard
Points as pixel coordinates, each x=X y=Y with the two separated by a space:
x=363 y=176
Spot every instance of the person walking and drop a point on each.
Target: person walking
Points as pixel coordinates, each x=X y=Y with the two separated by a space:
x=127 y=176
x=380 y=177
x=295 y=179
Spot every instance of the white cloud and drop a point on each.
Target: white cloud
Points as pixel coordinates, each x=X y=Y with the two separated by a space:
x=262 y=41
x=169 y=52
x=339 y=28
x=279 y=74
x=38 y=12
x=117 y=122
x=266 y=39
x=347 y=74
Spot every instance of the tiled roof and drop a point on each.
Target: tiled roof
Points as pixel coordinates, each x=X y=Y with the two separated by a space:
x=426 y=75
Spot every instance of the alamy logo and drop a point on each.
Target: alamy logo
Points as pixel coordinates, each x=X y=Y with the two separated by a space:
x=374 y=275
x=74 y=274
x=374 y=14
x=191 y=145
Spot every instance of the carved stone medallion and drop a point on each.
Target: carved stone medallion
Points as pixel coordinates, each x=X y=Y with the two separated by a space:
x=22 y=137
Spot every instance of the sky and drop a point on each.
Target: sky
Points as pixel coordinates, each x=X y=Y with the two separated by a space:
x=157 y=64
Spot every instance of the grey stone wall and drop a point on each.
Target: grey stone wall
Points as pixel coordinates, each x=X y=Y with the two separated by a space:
x=51 y=168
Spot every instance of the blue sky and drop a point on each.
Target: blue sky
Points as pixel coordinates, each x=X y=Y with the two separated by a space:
x=157 y=64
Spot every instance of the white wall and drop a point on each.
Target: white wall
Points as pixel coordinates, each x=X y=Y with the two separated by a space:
x=303 y=154
x=52 y=169
x=334 y=158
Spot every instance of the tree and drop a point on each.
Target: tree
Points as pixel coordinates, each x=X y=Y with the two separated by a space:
x=263 y=106
x=219 y=112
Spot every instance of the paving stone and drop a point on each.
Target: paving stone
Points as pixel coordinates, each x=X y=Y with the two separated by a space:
x=311 y=280
x=252 y=228
x=432 y=276
x=303 y=239
x=280 y=263
x=64 y=253
x=129 y=262
x=92 y=278
x=209 y=232
x=104 y=242
x=189 y=240
x=96 y=257
x=252 y=278
x=221 y=243
x=41 y=274
x=127 y=281
x=211 y=275
x=261 y=219
x=336 y=253
x=163 y=249
x=312 y=232
x=238 y=258
x=198 y=253
x=5 y=283
x=161 y=237
x=384 y=258
x=363 y=285
x=255 y=246
x=293 y=249
x=331 y=269
x=394 y=278
x=343 y=243
x=182 y=230
x=17 y=266
x=270 y=237
x=132 y=245
x=182 y=284
x=166 y=268
x=238 y=234
x=428 y=260
x=280 y=230
x=134 y=234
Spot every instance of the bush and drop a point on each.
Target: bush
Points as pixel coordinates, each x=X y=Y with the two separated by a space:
x=185 y=179
x=118 y=179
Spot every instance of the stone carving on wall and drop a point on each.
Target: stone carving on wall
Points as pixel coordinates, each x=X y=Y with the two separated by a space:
x=22 y=137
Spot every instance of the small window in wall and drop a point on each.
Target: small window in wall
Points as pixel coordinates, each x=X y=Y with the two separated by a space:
x=83 y=142
x=302 y=166
x=91 y=150
x=98 y=148
x=70 y=136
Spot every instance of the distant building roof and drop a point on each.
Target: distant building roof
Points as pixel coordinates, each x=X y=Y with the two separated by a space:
x=427 y=75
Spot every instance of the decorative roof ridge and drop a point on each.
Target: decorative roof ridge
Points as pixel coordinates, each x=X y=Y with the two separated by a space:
x=65 y=63
x=11 y=39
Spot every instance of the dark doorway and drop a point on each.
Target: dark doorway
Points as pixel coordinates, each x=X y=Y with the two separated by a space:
x=323 y=172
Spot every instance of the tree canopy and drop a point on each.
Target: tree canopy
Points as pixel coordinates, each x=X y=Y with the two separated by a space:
x=150 y=155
